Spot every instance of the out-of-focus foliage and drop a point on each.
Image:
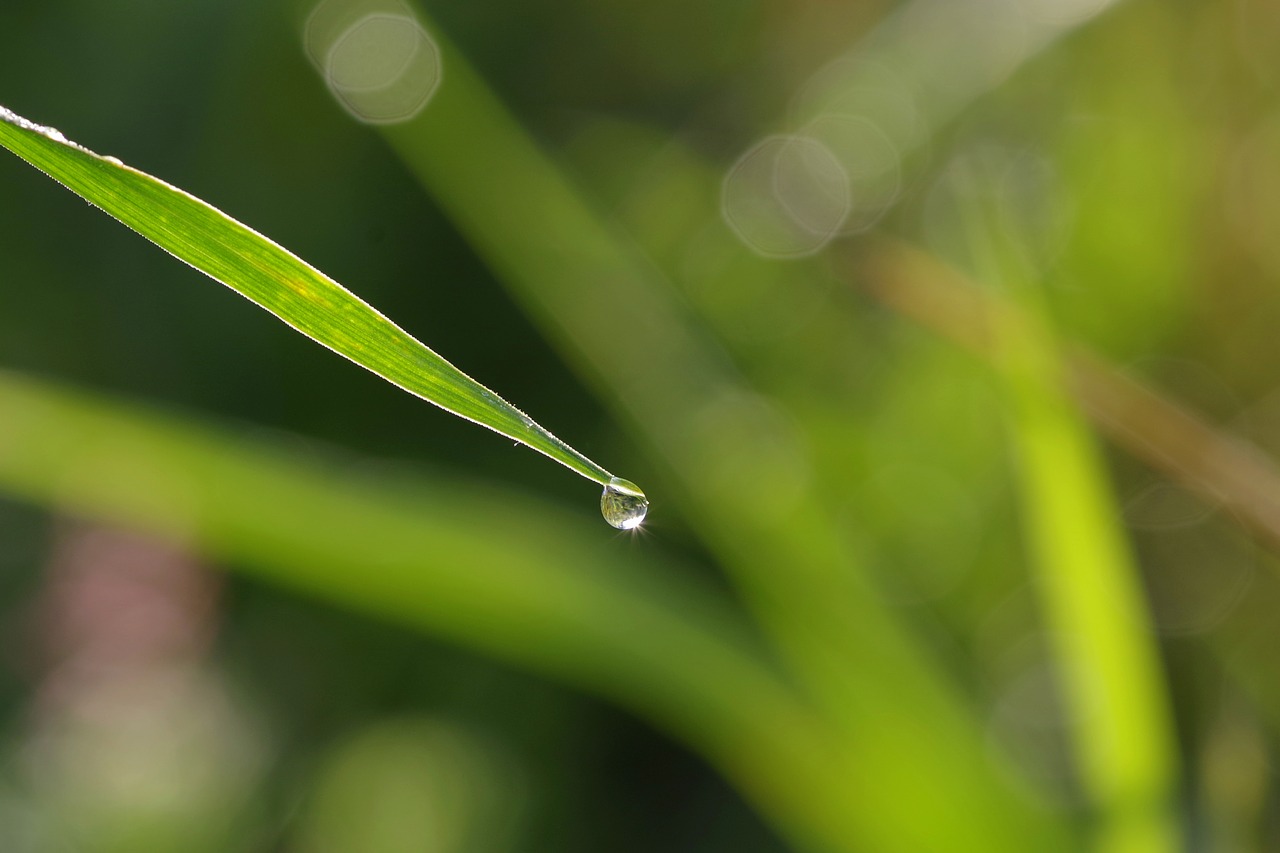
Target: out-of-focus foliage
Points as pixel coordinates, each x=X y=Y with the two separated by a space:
x=893 y=594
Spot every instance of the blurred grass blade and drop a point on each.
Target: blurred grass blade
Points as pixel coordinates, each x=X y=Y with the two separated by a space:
x=740 y=467
x=540 y=589
x=1111 y=669
x=275 y=279
x=1222 y=467
x=1100 y=630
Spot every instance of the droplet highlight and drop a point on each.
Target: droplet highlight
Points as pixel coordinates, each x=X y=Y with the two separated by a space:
x=623 y=505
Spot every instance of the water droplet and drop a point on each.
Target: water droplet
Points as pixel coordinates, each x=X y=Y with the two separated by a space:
x=623 y=504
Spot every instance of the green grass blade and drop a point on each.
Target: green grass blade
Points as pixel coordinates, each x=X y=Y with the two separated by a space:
x=540 y=590
x=1124 y=740
x=1110 y=667
x=277 y=280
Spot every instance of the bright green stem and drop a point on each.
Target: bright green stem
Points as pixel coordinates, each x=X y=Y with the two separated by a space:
x=277 y=280
x=1100 y=630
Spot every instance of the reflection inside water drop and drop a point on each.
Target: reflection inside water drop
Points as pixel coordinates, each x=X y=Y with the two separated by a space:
x=623 y=504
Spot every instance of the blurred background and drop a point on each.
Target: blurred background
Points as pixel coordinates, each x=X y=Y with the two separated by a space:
x=742 y=253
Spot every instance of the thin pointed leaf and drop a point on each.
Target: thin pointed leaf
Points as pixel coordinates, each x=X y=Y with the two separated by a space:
x=277 y=280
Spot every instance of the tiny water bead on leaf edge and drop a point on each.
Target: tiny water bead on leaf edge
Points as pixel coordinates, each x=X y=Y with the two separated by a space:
x=303 y=297
x=623 y=505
